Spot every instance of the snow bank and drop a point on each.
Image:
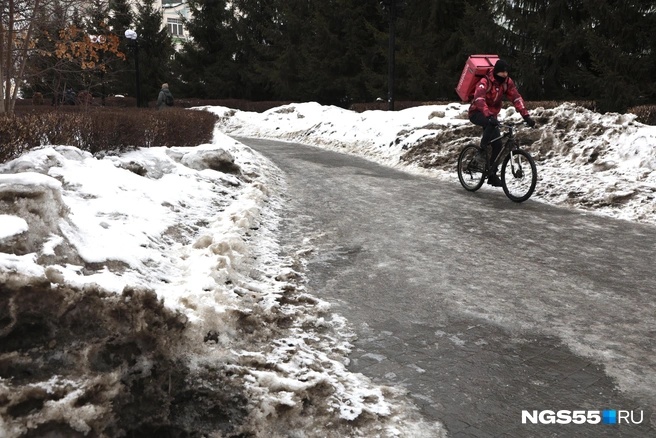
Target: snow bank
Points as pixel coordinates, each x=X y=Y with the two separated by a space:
x=145 y=294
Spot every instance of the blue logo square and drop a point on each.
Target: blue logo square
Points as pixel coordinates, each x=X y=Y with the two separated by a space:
x=609 y=417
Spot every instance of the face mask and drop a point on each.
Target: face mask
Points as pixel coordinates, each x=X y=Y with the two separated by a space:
x=499 y=79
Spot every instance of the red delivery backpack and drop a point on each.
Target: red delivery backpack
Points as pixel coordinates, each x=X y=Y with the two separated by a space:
x=476 y=67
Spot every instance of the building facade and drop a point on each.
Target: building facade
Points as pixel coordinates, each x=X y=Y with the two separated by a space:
x=174 y=12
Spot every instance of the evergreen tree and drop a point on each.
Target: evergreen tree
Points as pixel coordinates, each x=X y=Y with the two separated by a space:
x=325 y=51
x=335 y=51
x=582 y=49
x=547 y=46
x=619 y=44
x=207 y=63
x=122 y=74
x=345 y=58
x=254 y=26
x=282 y=50
x=155 y=51
x=435 y=39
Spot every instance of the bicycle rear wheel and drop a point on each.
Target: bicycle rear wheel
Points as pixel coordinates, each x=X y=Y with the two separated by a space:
x=471 y=172
x=519 y=179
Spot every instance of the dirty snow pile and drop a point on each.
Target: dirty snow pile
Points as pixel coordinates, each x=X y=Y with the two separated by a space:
x=145 y=294
x=604 y=163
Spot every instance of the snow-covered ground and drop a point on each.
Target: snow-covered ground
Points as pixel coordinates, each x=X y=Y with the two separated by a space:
x=600 y=163
x=146 y=293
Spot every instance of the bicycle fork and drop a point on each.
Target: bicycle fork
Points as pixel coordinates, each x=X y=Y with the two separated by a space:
x=512 y=162
x=515 y=168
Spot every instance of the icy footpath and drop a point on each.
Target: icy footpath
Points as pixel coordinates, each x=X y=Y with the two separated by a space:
x=145 y=294
x=601 y=163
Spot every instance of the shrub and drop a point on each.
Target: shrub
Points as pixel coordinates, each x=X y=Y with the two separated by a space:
x=399 y=105
x=360 y=107
x=103 y=129
x=238 y=104
x=646 y=114
x=551 y=104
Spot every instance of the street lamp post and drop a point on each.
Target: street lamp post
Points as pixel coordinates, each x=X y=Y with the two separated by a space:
x=391 y=61
x=100 y=39
x=392 y=12
x=132 y=36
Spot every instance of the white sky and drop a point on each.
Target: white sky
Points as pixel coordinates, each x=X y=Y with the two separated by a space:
x=206 y=241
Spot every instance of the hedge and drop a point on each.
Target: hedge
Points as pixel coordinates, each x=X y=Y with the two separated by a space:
x=103 y=129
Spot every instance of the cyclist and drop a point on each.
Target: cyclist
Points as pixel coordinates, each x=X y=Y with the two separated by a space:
x=487 y=104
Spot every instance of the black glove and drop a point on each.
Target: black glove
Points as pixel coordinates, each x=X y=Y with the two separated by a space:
x=492 y=120
x=529 y=121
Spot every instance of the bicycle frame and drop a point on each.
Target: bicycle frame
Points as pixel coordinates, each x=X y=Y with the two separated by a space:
x=518 y=172
x=508 y=147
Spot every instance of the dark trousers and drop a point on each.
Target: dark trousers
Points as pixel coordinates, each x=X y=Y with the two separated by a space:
x=490 y=131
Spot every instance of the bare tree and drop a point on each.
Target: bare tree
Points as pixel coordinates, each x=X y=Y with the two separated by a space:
x=23 y=23
x=17 y=21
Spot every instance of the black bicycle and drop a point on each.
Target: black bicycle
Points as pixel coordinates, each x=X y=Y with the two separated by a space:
x=518 y=172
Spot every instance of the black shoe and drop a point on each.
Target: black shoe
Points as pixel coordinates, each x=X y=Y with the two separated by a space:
x=494 y=180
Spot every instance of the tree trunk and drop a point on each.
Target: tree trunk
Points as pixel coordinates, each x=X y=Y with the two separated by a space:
x=10 y=43
x=21 y=69
x=2 y=57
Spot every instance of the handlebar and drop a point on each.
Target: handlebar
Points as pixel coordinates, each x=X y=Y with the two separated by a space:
x=511 y=124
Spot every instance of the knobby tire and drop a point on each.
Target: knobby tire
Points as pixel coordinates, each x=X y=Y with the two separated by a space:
x=470 y=173
x=519 y=187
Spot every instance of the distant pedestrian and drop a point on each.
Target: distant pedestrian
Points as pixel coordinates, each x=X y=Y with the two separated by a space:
x=70 y=97
x=37 y=98
x=165 y=98
x=85 y=98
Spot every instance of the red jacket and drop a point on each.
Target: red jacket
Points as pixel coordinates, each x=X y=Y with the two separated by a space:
x=489 y=93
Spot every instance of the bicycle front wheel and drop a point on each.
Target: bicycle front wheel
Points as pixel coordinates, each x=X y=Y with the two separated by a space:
x=471 y=171
x=519 y=176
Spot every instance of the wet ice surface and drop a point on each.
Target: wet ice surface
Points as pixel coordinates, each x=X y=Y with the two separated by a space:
x=144 y=295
